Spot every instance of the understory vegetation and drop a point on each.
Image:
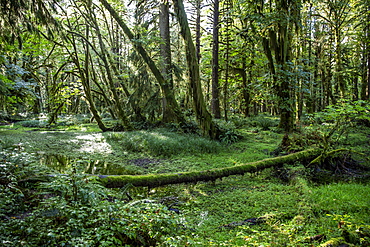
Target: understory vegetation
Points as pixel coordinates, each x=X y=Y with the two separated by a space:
x=318 y=204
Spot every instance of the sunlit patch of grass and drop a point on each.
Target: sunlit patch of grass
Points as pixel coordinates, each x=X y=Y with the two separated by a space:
x=163 y=143
x=342 y=199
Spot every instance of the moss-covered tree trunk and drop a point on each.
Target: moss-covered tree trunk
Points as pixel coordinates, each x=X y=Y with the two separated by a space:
x=84 y=74
x=155 y=180
x=166 y=89
x=277 y=48
x=116 y=97
x=165 y=48
x=204 y=118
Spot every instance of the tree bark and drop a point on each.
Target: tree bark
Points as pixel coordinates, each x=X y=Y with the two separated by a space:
x=198 y=28
x=204 y=118
x=156 y=180
x=228 y=23
x=277 y=48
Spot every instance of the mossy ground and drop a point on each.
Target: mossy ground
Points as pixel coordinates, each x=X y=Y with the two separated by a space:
x=294 y=212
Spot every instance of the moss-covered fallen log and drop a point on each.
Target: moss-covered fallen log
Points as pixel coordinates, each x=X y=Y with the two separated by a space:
x=155 y=180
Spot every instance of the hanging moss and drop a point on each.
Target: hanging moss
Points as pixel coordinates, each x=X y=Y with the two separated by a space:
x=155 y=180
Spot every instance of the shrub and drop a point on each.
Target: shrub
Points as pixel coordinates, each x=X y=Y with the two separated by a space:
x=75 y=210
x=229 y=133
x=239 y=121
x=265 y=122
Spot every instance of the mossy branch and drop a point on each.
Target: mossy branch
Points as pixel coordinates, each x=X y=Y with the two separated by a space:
x=155 y=180
x=319 y=159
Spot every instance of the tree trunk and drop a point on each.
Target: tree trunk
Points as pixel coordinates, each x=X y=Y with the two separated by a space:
x=155 y=180
x=198 y=28
x=116 y=99
x=165 y=47
x=85 y=79
x=204 y=118
x=166 y=89
x=277 y=46
x=246 y=82
x=227 y=34
x=215 y=105
x=365 y=85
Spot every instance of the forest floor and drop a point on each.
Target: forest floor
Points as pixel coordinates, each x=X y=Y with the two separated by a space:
x=285 y=206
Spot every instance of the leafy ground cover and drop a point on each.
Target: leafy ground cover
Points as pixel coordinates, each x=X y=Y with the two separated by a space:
x=281 y=206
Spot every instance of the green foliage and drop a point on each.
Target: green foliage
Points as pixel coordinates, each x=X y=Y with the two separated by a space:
x=33 y=124
x=239 y=121
x=307 y=138
x=294 y=214
x=163 y=143
x=6 y=143
x=15 y=165
x=262 y=121
x=330 y=128
x=351 y=232
x=74 y=210
x=229 y=132
x=15 y=85
x=265 y=122
x=337 y=120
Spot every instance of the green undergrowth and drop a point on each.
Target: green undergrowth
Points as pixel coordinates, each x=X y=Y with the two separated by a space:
x=142 y=152
x=279 y=214
x=275 y=207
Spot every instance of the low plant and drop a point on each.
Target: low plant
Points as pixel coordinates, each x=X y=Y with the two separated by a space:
x=240 y=121
x=6 y=143
x=229 y=133
x=265 y=122
x=75 y=210
x=163 y=143
x=33 y=123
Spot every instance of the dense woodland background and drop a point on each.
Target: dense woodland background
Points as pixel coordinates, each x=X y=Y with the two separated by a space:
x=145 y=61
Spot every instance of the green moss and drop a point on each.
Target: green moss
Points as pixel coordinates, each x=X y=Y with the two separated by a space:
x=334 y=242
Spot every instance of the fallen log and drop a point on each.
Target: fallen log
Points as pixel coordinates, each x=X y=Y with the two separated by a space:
x=156 y=180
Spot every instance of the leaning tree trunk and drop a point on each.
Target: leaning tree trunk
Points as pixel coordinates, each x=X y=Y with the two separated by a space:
x=85 y=79
x=116 y=98
x=166 y=89
x=155 y=180
x=204 y=118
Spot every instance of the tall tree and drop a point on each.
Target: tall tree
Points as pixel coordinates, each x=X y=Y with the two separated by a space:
x=165 y=47
x=83 y=67
x=278 y=49
x=215 y=103
x=365 y=85
x=228 y=22
x=204 y=118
